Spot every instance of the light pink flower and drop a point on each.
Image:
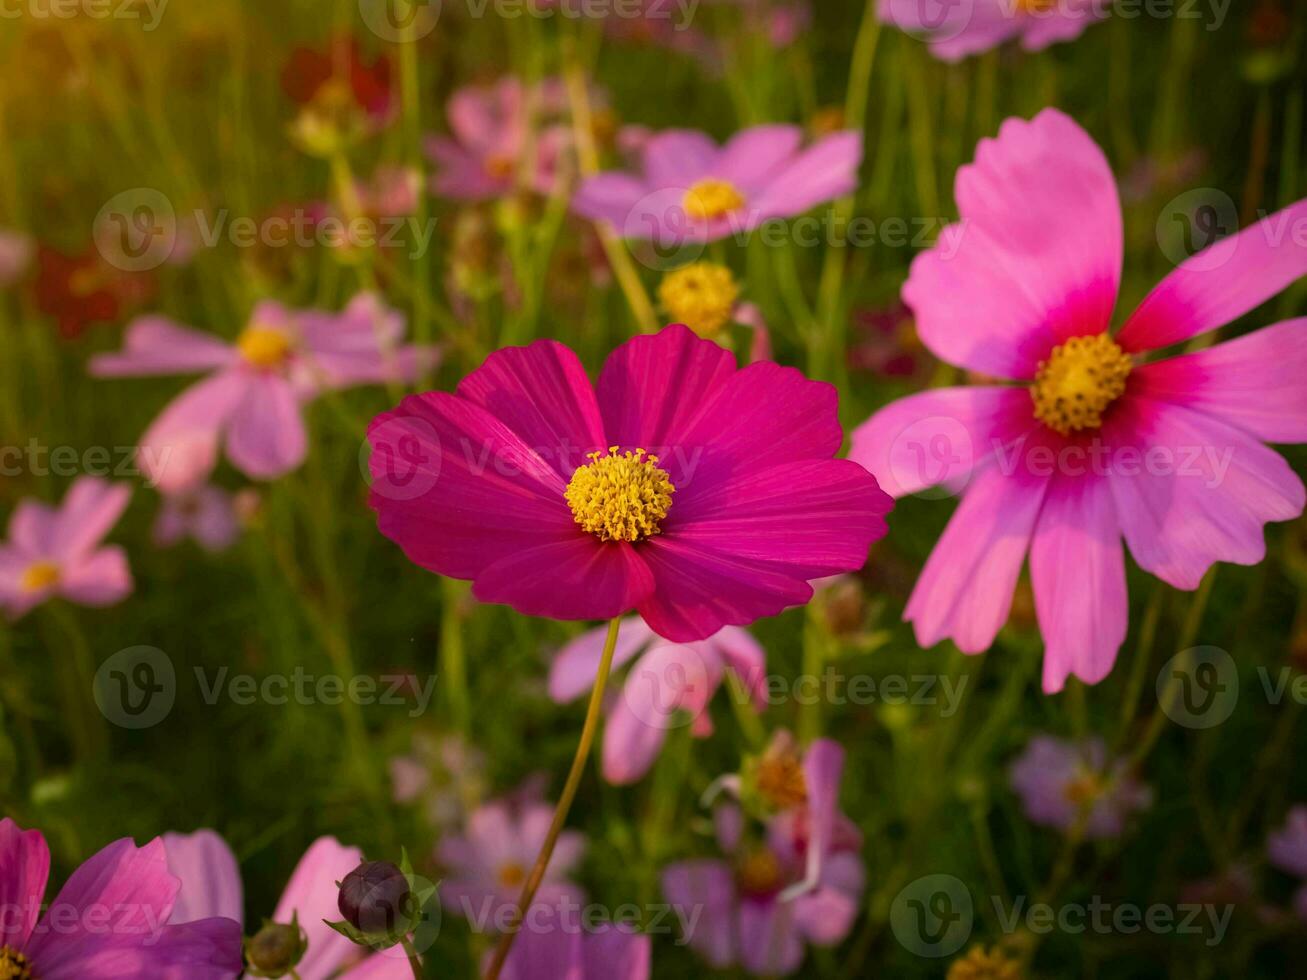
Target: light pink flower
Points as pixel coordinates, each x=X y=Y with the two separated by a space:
x=957 y=28
x=668 y=679
x=690 y=190
x=489 y=863
x=1167 y=454
x=110 y=919
x=206 y=514
x=252 y=398
x=211 y=885
x=56 y=552
x=1062 y=783
x=565 y=952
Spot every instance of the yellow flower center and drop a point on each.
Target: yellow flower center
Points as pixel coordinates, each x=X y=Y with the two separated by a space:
x=780 y=779
x=500 y=167
x=702 y=296
x=712 y=198
x=84 y=282
x=983 y=964
x=1077 y=383
x=14 y=965
x=39 y=576
x=1085 y=789
x=512 y=875
x=759 y=873
x=620 y=497
x=1035 y=6
x=263 y=347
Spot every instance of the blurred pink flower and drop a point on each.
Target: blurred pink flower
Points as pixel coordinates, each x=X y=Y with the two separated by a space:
x=133 y=885
x=1096 y=445
x=56 y=552
x=205 y=513
x=1061 y=783
x=804 y=885
x=15 y=256
x=954 y=30
x=566 y=952
x=256 y=387
x=392 y=192
x=668 y=679
x=1287 y=847
x=885 y=343
x=690 y=190
x=211 y=885
x=443 y=774
x=489 y=863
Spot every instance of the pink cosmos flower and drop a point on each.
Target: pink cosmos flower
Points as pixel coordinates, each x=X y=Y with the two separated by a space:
x=803 y=885
x=484 y=157
x=110 y=919
x=1287 y=850
x=568 y=953
x=15 y=255
x=56 y=552
x=690 y=190
x=1094 y=444
x=956 y=29
x=489 y=863
x=252 y=398
x=673 y=489
x=1061 y=783
x=206 y=514
x=669 y=678
x=443 y=774
x=211 y=885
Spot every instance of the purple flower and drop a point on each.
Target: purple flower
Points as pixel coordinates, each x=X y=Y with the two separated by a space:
x=206 y=514
x=563 y=953
x=1287 y=847
x=690 y=190
x=955 y=30
x=802 y=885
x=1059 y=781
x=668 y=679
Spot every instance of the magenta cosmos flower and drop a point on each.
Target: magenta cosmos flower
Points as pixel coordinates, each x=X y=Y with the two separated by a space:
x=1092 y=443
x=697 y=493
x=211 y=885
x=957 y=28
x=690 y=190
x=569 y=953
x=110 y=919
x=668 y=679
x=251 y=400
x=56 y=552
x=1062 y=783
x=802 y=885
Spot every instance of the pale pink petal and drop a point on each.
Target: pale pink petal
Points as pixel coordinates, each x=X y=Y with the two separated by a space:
x=33 y=528
x=156 y=345
x=209 y=875
x=616 y=953
x=826 y=915
x=576 y=664
x=266 y=437
x=312 y=895
x=24 y=870
x=708 y=888
x=180 y=448
x=751 y=157
x=770 y=942
x=89 y=511
x=102 y=578
x=824 y=171
x=1064 y=22
x=676 y=158
x=745 y=657
x=546 y=954
x=612 y=198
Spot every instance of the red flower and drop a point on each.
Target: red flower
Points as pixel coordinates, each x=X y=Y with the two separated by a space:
x=312 y=75
x=84 y=289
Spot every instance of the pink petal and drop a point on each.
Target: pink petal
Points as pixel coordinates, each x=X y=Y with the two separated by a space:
x=827 y=915
x=1036 y=258
x=390 y=964
x=616 y=953
x=102 y=578
x=965 y=591
x=33 y=528
x=822 y=172
x=676 y=158
x=209 y=949
x=210 y=878
x=745 y=657
x=312 y=893
x=266 y=438
x=156 y=345
x=1223 y=282
x=610 y=197
x=24 y=870
x=1077 y=568
x=770 y=943
x=576 y=665
x=542 y=393
x=751 y=157
x=577 y=577
x=823 y=767
x=88 y=512
x=546 y=954
x=180 y=447
x=940 y=436
x=706 y=887
x=1255 y=382
x=1197 y=491
x=1061 y=24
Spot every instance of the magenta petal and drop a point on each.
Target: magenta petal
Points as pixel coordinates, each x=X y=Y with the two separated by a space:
x=965 y=591
x=653 y=387
x=1077 y=568
x=266 y=438
x=706 y=887
x=576 y=577
x=210 y=877
x=1198 y=490
x=157 y=345
x=543 y=394
x=24 y=870
x=88 y=512
x=312 y=894
x=180 y=447
x=1221 y=283
x=770 y=943
x=100 y=579
x=574 y=668
x=1036 y=258
x=209 y=949
x=1255 y=382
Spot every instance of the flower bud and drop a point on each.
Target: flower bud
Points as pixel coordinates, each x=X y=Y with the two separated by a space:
x=373 y=897
x=275 y=949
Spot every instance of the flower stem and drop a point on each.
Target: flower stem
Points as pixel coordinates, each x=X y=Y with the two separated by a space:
x=564 y=804
x=413 y=960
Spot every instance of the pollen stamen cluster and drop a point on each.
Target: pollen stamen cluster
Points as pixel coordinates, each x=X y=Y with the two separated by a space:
x=1078 y=382
x=36 y=577
x=701 y=295
x=14 y=965
x=781 y=781
x=710 y=198
x=263 y=347
x=759 y=873
x=620 y=497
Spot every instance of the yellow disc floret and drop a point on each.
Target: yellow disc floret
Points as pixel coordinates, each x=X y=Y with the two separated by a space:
x=263 y=347
x=39 y=576
x=984 y=964
x=711 y=198
x=14 y=965
x=620 y=497
x=1078 y=382
x=759 y=873
x=702 y=296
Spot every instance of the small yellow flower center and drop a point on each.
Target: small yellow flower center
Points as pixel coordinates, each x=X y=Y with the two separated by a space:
x=1085 y=789
x=84 y=282
x=263 y=347
x=781 y=781
x=14 y=965
x=512 y=875
x=500 y=167
x=759 y=873
x=39 y=576
x=620 y=497
x=712 y=198
x=984 y=964
x=702 y=296
x=1035 y=6
x=1078 y=382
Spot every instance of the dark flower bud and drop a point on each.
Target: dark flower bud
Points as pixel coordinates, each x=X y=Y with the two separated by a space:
x=374 y=897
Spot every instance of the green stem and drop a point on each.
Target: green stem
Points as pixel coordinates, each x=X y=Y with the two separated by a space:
x=78 y=687
x=453 y=659
x=564 y=803
x=413 y=960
